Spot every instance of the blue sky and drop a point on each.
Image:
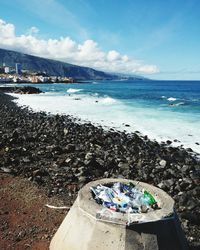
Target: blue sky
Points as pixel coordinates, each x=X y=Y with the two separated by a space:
x=155 y=38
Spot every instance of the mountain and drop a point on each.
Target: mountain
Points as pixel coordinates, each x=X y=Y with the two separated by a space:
x=53 y=67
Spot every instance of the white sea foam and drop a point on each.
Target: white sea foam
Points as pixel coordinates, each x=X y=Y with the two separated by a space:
x=8 y=84
x=171 y=99
x=157 y=124
x=94 y=94
x=107 y=100
x=177 y=104
x=70 y=90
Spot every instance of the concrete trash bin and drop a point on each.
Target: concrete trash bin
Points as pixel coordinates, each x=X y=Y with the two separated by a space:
x=90 y=226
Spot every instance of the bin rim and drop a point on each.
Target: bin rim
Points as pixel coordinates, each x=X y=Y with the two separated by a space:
x=88 y=205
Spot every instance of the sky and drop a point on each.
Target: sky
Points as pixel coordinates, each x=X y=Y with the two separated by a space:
x=153 y=38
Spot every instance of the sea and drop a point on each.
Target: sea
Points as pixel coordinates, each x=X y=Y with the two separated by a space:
x=162 y=110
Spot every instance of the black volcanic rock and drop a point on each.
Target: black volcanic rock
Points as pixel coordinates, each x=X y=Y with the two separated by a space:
x=21 y=90
x=59 y=154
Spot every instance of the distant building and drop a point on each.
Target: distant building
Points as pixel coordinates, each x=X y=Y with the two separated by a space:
x=6 y=70
x=18 y=68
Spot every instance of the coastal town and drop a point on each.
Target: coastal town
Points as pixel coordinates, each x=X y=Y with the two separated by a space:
x=19 y=75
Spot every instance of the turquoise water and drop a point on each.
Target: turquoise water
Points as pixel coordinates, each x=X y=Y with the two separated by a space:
x=164 y=110
x=144 y=93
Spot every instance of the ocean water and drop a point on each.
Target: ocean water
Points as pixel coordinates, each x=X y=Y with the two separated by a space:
x=163 y=110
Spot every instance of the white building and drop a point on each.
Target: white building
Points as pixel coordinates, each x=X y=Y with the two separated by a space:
x=6 y=70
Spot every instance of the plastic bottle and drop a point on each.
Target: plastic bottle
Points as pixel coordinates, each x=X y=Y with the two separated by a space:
x=149 y=198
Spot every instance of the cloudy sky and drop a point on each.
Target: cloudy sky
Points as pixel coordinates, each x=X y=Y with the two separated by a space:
x=154 y=38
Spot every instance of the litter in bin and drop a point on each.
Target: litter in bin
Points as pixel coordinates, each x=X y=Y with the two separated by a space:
x=125 y=198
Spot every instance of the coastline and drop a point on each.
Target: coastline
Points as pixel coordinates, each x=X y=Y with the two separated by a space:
x=61 y=155
x=179 y=131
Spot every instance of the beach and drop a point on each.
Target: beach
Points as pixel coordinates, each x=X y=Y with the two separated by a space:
x=60 y=155
x=162 y=110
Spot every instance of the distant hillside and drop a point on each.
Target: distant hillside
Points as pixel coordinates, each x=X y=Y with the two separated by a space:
x=56 y=68
x=51 y=67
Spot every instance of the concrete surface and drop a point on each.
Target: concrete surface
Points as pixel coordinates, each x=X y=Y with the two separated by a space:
x=89 y=226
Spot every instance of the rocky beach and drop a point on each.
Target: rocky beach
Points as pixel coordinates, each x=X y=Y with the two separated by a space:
x=59 y=155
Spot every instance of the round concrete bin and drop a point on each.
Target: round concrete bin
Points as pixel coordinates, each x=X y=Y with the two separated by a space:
x=90 y=226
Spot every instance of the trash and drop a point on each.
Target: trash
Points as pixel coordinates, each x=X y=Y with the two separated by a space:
x=124 y=198
x=55 y=207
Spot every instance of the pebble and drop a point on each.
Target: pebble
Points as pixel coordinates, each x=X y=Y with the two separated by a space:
x=62 y=155
x=163 y=163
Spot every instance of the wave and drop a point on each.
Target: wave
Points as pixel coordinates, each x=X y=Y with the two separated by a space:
x=70 y=90
x=195 y=99
x=177 y=104
x=94 y=94
x=114 y=113
x=107 y=100
x=171 y=99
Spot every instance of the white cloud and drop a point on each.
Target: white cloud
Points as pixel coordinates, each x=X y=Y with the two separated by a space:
x=113 y=56
x=148 y=69
x=33 y=30
x=65 y=49
x=7 y=30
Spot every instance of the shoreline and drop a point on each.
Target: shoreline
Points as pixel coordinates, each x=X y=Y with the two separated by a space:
x=61 y=155
x=188 y=141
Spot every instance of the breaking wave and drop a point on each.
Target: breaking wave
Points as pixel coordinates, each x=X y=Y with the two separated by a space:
x=70 y=90
x=171 y=99
x=108 y=100
x=178 y=104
